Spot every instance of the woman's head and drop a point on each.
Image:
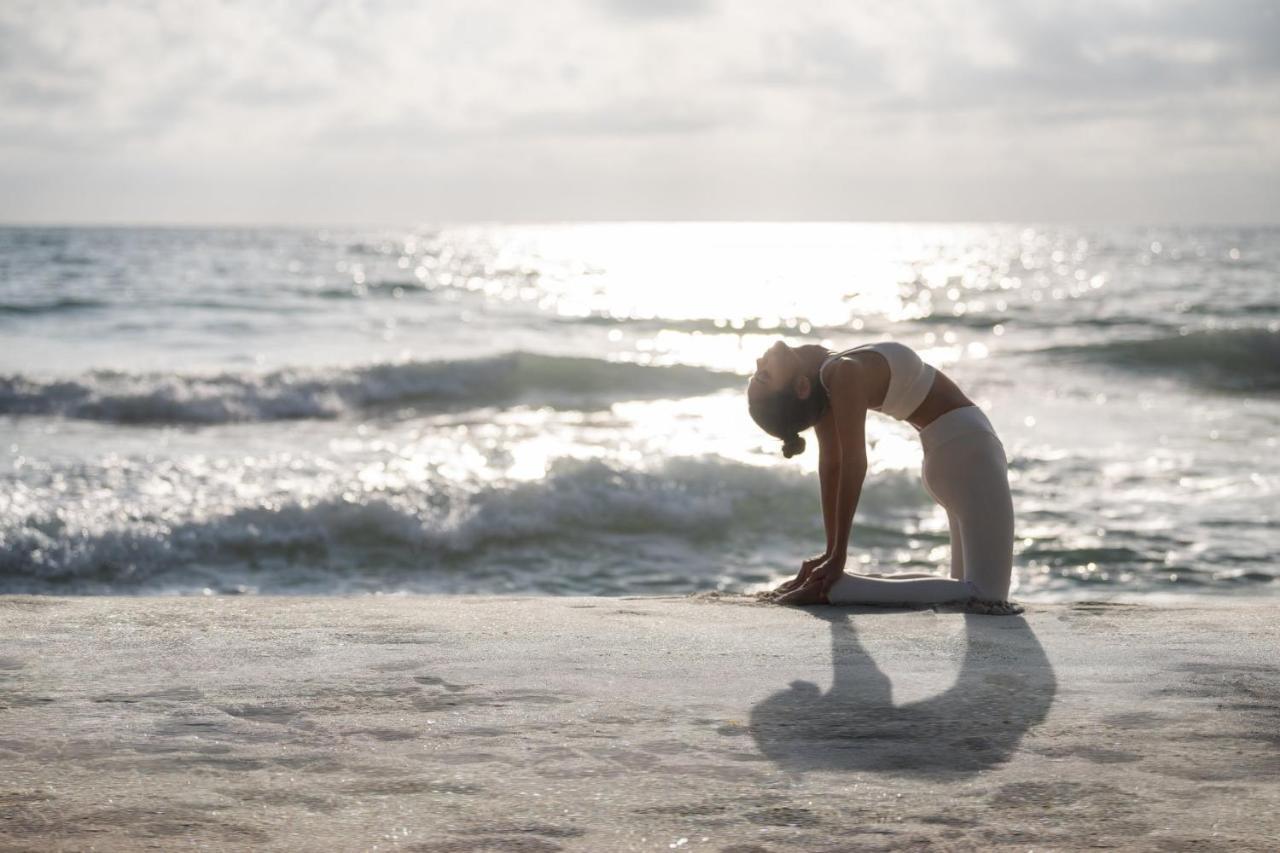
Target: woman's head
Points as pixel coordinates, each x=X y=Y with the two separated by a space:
x=784 y=396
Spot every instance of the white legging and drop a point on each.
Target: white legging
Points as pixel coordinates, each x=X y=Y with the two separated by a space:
x=965 y=470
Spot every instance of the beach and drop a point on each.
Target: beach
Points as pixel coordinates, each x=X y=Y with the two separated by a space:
x=404 y=409
x=476 y=723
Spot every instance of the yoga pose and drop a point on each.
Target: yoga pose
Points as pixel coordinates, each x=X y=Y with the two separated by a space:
x=965 y=469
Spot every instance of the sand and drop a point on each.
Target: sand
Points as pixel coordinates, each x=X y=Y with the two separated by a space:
x=544 y=724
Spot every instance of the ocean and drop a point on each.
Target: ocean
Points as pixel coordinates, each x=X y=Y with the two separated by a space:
x=560 y=409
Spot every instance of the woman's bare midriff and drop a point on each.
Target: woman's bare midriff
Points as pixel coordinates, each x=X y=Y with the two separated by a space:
x=943 y=397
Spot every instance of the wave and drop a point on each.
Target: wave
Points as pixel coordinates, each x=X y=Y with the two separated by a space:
x=750 y=325
x=1225 y=359
x=721 y=326
x=393 y=288
x=293 y=394
x=53 y=306
x=580 y=513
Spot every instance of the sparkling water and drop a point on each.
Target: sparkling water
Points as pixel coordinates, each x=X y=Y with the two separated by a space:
x=561 y=409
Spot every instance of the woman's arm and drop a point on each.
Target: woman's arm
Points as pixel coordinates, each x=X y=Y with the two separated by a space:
x=828 y=477
x=848 y=424
x=828 y=482
x=849 y=484
x=828 y=474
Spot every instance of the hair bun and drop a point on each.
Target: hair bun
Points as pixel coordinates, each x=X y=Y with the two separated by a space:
x=792 y=445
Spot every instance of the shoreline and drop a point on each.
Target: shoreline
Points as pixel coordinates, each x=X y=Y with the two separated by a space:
x=460 y=723
x=1225 y=597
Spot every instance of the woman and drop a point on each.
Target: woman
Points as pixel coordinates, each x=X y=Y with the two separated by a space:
x=965 y=469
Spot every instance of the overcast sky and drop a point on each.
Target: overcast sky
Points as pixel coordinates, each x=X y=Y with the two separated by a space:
x=380 y=111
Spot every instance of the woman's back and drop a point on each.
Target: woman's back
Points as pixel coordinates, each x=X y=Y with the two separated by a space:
x=900 y=384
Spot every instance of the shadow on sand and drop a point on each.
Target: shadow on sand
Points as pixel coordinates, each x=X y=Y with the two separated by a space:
x=1004 y=687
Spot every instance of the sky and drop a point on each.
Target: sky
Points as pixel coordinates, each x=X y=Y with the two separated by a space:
x=388 y=111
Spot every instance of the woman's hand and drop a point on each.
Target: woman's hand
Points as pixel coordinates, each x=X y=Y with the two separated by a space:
x=813 y=562
x=814 y=587
x=806 y=569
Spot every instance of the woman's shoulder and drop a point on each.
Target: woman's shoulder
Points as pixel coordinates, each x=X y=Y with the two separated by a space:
x=837 y=368
x=846 y=355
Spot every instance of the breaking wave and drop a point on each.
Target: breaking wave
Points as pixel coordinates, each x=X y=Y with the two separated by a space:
x=580 y=513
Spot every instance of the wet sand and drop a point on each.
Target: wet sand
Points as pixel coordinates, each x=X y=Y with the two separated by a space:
x=450 y=725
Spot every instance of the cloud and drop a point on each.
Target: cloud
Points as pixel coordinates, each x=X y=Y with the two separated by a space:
x=820 y=103
x=625 y=119
x=1075 y=53
x=655 y=9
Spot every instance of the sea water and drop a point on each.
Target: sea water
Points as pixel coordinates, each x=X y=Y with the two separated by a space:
x=561 y=409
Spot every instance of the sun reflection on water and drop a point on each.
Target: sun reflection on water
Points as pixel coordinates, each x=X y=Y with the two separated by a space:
x=1103 y=357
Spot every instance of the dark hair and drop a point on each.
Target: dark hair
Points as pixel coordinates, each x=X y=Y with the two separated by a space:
x=784 y=415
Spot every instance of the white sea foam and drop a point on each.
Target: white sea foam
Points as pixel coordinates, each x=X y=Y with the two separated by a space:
x=580 y=507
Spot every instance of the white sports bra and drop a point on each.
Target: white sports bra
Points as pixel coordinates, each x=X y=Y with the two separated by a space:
x=909 y=378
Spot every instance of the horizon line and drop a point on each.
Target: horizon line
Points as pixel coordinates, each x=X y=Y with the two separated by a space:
x=558 y=221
